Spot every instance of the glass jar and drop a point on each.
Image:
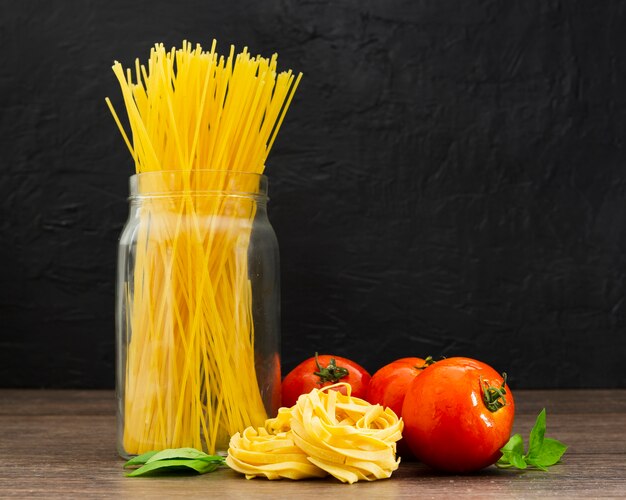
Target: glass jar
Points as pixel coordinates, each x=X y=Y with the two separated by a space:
x=197 y=311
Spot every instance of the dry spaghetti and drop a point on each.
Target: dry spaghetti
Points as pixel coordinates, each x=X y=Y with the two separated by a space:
x=189 y=375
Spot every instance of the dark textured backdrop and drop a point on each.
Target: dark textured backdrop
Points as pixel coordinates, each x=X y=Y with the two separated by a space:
x=450 y=180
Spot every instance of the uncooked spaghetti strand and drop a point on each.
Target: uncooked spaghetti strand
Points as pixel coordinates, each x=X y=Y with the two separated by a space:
x=243 y=104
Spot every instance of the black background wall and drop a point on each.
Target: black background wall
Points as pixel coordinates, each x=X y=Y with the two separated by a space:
x=450 y=180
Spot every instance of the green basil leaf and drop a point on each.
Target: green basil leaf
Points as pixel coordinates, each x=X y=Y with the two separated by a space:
x=535 y=465
x=174 y=465
x=551 y=452
x=542 y=451
x=513 y=453
x=536 y=435
x=140 y=459
x=514 y=445
x=213 y=459
x=517 y=461
x=188 y=453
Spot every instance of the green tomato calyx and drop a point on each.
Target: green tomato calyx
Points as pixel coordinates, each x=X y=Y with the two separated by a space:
x=494 y=397
x=427 y=362
x=331 y=373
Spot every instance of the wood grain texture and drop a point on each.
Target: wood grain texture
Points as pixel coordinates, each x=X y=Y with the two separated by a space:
x=62 y=444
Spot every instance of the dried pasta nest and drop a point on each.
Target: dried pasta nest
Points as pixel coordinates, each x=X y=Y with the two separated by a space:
x=325 y=432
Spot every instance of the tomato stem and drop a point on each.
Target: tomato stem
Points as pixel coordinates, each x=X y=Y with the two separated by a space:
x=331 y=373
x=494 y=397
x=427 y=362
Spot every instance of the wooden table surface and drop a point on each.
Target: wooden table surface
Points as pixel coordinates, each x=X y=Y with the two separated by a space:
x=62 y=444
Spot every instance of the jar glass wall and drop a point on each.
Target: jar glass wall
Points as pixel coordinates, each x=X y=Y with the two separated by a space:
x=197 y=312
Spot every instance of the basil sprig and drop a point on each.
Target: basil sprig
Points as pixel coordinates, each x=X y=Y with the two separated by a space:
x=542 y=452
x=173 y=460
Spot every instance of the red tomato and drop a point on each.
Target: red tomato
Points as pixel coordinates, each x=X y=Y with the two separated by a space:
x=457 y=415
x=389 y=384
x=323 y=370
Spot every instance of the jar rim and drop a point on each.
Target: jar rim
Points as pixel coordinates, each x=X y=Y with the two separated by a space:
x=207 y=182
x=200 y=170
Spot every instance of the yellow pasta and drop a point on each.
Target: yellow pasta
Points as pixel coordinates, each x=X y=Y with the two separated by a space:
x=255 y=452
x=189 y=377
x=340 y=435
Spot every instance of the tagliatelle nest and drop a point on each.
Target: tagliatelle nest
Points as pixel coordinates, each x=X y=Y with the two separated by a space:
x=324 y=432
